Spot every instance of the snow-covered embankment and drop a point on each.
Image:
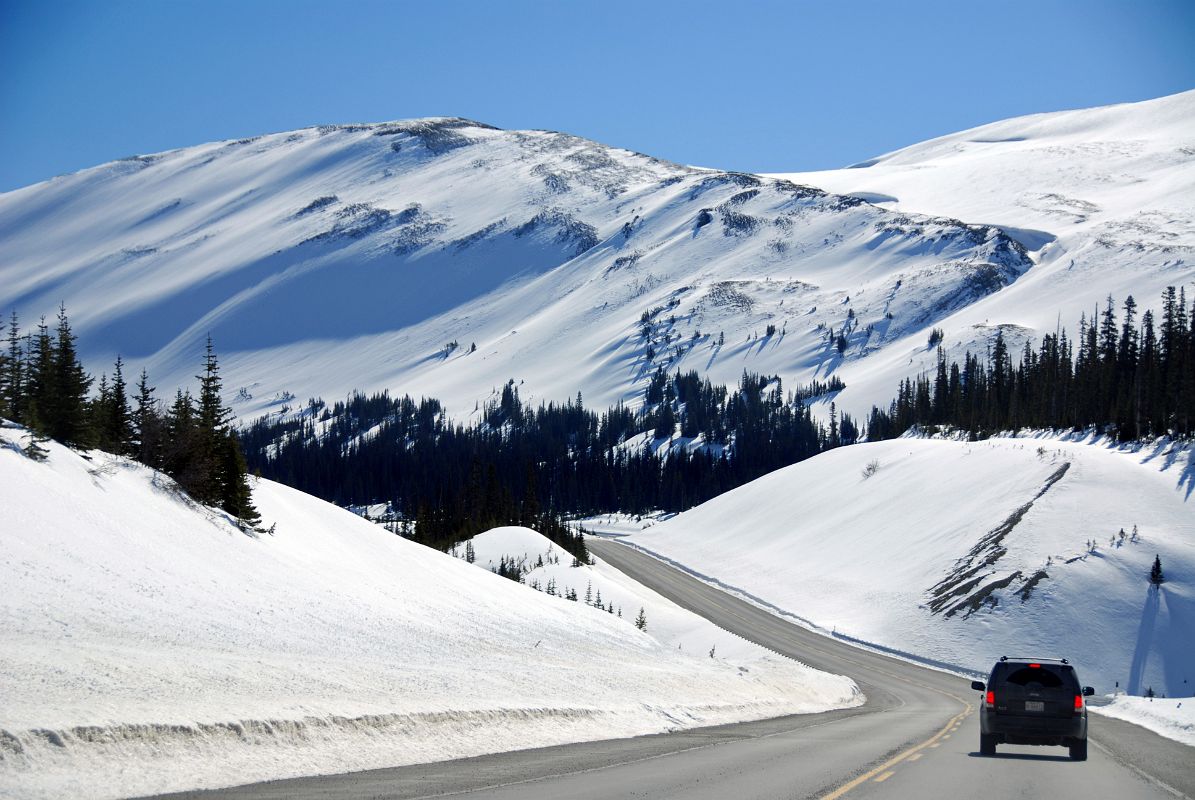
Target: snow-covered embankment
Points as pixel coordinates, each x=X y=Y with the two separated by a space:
x=147 y=645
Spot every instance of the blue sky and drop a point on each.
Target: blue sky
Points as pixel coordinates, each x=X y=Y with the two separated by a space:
x=754 y=86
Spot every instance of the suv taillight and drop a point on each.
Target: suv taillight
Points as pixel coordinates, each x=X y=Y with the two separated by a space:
x=990 y=699
x=1078 y=704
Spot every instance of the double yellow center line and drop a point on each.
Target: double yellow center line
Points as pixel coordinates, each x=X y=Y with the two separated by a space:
x=892 y=762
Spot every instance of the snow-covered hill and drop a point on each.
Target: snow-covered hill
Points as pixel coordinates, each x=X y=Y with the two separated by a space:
x=146 y=644
x=443 y=257
x=961 y=552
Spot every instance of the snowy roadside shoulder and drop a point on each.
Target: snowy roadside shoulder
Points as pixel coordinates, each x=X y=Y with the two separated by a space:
x=1172 y=717
x=532 y=559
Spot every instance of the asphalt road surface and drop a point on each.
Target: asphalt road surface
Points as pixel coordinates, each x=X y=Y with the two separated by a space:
x=917 y=737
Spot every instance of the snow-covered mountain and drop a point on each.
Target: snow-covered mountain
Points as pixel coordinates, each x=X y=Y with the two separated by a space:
x=443 y=257
x=1103 y=199
x=147 y=644
x=960 y=552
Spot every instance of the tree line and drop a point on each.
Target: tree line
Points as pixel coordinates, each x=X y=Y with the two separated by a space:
x=535 y=466
x=1133 y=379
x=44 y=387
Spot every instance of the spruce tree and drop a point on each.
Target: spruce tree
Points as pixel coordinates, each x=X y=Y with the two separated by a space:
x=14 y=374
x=66 y=410
x=4 y=378
x=203 y=453
x=1155 y=573
x=641 y=620
x=39 y=400
x=148 y=424
x=119 y=418
x=211 y=421
x=99 y=409
x=236 y=496
x=180 y=446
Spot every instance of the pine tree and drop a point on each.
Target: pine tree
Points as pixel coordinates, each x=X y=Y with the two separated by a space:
x=1155 y=573
x=66 y=412
x=211 y=419
x=236 y=496
x=119 y=418
x=179 y=448
x=14 y=374
x=98 y=411
x=641 y=620
x=39 y=400
x=148 y=424
x=4 y=378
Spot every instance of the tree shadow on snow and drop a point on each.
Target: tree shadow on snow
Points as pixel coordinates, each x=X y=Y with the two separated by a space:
x=1187 y=479
x=1145 y=635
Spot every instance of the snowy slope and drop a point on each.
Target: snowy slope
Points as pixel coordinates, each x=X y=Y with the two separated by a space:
x=329 y=259
x=601 y=585
x=1103 y=198
x=147 y=645
x=961 y=552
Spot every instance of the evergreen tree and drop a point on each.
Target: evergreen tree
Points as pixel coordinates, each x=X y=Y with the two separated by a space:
x=181 y=444
x=1155 y=573
x=119 y=421
x=65 y=386
x=39 y=392
x=12 y=387
x=210 y=427
x=641 y=620
x=98 y=410
x=4 y=393
x=236 y=496
x=66 y=404
x=148 y=424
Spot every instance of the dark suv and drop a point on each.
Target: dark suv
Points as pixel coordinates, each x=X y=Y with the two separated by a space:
x=1033 y=701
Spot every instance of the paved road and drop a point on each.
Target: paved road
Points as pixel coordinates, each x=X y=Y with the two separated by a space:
x=917 y=737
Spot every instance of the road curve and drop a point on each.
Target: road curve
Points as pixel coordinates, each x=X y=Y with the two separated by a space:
x=916 y=737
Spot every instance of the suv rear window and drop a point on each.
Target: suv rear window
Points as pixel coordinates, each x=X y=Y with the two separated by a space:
x=1027 y=675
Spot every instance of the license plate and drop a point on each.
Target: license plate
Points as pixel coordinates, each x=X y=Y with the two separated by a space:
x=1035 y=705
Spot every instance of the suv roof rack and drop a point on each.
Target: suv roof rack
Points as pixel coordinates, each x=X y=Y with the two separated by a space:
x=1034 y=658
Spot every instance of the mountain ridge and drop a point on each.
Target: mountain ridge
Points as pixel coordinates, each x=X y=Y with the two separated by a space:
x=375 y=256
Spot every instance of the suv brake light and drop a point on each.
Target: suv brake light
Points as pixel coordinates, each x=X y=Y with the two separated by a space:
x=1078 y=703
x=990 y=699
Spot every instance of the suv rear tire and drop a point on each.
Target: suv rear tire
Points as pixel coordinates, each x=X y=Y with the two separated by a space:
x=987 y=745
x=1078 y=749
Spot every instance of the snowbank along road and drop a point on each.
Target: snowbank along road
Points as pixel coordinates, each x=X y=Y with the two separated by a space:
x=916 y=737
